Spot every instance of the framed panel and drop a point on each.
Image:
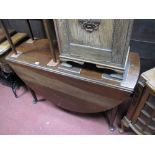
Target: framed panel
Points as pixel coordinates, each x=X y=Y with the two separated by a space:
x=104 y=44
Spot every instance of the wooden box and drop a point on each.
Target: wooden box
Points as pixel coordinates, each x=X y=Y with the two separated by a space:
x=103 y=42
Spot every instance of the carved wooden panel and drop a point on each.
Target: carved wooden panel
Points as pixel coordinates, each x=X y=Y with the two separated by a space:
x=99 y=38
x=103 y=41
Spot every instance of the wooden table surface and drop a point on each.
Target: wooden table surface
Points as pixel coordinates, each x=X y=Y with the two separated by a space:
x=86 y=92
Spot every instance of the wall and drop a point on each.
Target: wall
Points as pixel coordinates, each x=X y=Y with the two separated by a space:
x=143 y=42
x=20 y=25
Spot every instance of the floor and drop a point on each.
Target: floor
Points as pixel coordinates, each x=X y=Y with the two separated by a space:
x=19 y=116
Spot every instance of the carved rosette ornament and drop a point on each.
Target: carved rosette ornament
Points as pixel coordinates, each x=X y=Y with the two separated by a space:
x=89 y=25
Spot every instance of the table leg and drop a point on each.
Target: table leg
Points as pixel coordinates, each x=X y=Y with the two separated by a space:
x=111 y=115
x=35 y=99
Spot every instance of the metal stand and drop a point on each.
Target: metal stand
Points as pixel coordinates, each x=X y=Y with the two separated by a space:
x=13 y=81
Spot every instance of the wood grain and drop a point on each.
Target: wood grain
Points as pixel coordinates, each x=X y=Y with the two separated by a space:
x=86 y=93
x=107 y=46
x=102 y=38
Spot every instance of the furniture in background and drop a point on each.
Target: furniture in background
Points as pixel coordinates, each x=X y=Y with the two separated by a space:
x=7 y=75
x=141 y=114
